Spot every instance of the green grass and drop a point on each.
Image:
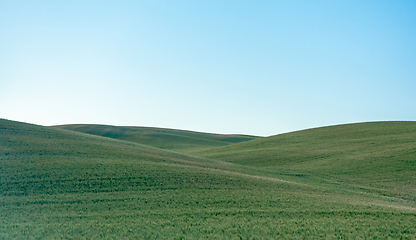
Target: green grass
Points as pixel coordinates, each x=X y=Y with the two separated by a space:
x=60 y=184
x=176 y=140
x=377 y=156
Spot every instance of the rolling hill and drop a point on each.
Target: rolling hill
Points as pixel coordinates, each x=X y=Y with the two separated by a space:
x=176 y=140
x=375 y=156
x=61 y=184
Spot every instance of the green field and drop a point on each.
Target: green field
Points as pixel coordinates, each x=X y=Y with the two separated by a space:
x=342 y=182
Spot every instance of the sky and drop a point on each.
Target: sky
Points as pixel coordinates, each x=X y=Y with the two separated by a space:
x=247 y=67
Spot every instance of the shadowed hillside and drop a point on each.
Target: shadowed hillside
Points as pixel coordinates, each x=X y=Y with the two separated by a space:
x=377 y=156
x=176 y=140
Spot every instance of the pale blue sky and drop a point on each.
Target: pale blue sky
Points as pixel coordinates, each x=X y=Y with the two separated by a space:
x=252 y=67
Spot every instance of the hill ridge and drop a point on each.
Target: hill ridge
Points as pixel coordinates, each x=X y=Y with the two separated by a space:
x=172 y=139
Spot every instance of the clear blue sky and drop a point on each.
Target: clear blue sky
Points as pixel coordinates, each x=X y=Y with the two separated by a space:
x=252 y=67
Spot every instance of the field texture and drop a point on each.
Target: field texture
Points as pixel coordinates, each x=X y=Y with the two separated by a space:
x=61 y=184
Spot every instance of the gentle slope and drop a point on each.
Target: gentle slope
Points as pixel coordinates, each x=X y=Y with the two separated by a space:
x=379 y=156
x=172 y=139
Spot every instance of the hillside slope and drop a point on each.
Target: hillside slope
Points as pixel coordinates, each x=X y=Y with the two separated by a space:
x=47 y=160
x=176 y=140
x=60 y=184
x=56 y=183
x=377 y=156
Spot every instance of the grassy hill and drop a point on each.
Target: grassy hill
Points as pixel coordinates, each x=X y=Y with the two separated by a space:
x=60 y=184
x=176 y=140
x=376 y=156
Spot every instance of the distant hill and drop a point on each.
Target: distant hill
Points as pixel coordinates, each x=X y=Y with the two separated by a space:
x=176 y=140
x=37 y=159
x=379 y=156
